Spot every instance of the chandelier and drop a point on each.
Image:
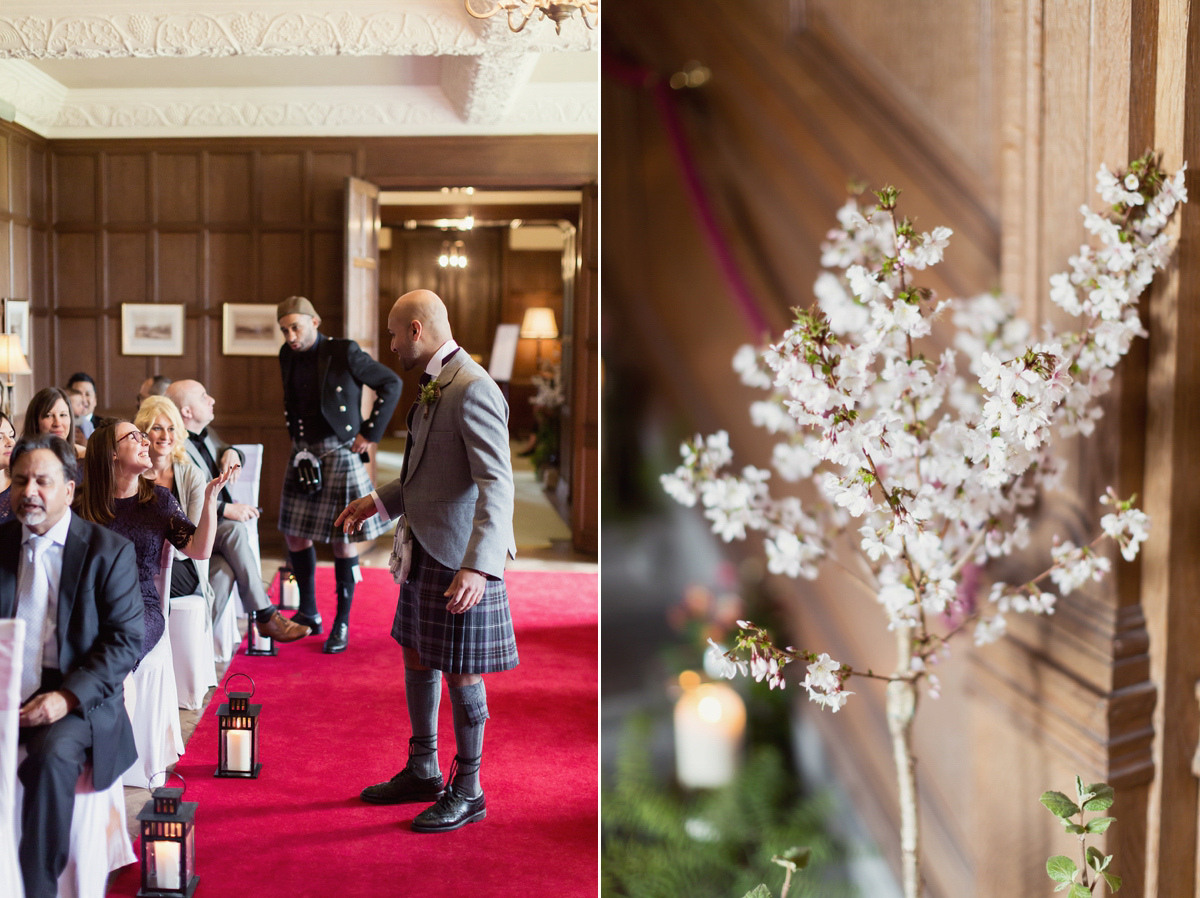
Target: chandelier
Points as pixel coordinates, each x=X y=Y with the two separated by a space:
x=453 y=255
x=522 y=10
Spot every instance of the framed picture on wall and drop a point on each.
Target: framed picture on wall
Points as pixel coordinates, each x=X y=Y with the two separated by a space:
x=250 y=329
x=151 y=328
x=16 y=321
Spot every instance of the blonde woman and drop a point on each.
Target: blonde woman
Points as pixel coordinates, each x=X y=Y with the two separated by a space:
x=232 y=559
x=171 y=469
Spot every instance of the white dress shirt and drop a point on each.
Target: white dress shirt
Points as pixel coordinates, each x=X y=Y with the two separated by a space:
x=53 y=561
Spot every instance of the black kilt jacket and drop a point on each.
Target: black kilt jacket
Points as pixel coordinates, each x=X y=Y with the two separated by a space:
x=343 y=369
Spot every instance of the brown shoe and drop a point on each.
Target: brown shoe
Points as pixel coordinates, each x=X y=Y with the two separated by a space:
x=281 y=629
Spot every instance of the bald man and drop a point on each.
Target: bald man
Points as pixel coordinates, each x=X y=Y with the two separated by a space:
x=455 y=498
x=323 y=379
x=233 y=559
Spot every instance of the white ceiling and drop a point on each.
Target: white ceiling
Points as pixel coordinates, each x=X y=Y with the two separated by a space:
x=174 y=68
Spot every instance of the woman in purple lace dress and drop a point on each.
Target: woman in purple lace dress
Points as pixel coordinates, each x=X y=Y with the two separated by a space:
x=8 y=438
x=115 y=494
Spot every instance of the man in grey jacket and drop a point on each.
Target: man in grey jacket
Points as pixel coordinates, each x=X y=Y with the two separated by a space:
x=455 y=498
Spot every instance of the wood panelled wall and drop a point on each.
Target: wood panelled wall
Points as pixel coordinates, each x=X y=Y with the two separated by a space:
x=24 y=226
x=206 y=222
x=992 y=117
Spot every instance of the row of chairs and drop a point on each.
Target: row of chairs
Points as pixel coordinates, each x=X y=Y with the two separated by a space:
x=176 y=673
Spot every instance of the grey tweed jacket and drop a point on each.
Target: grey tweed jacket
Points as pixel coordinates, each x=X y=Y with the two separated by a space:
x=457 y=489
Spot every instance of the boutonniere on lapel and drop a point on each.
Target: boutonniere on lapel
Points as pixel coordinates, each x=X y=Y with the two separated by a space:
x=430 y=393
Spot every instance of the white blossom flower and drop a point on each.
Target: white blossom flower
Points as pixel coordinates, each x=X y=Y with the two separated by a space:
x=822 y=674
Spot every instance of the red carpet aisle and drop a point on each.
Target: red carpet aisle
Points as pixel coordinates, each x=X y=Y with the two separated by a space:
x=333 y=724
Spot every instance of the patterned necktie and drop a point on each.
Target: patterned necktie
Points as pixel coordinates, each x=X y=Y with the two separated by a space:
x=425 y=378
x=33 y=597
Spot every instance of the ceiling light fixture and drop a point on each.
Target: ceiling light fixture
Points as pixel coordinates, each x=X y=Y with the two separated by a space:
x=558 y=11
x=453 y=255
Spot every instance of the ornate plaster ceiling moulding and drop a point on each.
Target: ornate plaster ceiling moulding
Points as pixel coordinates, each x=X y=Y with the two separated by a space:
x=36 y=96
x=484 y=88
x=420 y=112
x=410 y=33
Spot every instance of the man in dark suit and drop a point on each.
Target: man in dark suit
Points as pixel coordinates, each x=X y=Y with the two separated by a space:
x=323 y=379
x=233 y=557
x=76 y=586
x=455 y=497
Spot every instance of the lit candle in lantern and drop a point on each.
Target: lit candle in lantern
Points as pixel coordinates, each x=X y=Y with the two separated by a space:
x=710 y=720
x=165 y=858
x=237 y=750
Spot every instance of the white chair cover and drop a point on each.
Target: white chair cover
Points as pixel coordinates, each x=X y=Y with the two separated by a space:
x=246 y=490
x=154 y=711
x=189 y=629
x=12 y=637
x=99 y=836
x=226 y=635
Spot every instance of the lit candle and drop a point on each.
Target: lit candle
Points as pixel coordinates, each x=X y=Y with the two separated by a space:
x=166 y=864
x=261 y=643
x=237 y=750
x=710 y=720
x=289 y=597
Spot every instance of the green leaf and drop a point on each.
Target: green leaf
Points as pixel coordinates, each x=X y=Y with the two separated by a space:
x=1103 y=797
x=1061 y=886
x=1100 y=824
x=1114 y=881
x=759 y=891
x=1074 y=828
x=1059 y=805
x=1077 y=891
x=795 y=858
x=1080 y=795
x=1061 y=868
x=1096 y=859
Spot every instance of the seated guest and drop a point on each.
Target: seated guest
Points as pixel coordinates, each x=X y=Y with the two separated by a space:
x=49 y=411
x=86 y=387
x=8 y=438
x=83 y=634
x=155 y=385
x=172 y=469
x=114 y=494
x=77 y=406
x=233 y=551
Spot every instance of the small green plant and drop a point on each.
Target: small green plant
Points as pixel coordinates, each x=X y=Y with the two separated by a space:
x=1060 y=868
x=791 y=860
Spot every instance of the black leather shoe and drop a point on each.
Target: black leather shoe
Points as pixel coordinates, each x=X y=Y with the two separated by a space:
x=313 y=623
x=339 y=638
x=405 y=786
x=451 y=812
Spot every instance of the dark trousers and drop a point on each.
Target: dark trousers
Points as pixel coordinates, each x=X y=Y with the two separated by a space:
x=56 y=755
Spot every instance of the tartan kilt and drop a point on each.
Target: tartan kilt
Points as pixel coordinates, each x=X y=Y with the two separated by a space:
x=343 y=479
x=480 y=640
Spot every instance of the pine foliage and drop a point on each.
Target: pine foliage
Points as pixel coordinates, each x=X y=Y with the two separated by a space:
x=658 y=842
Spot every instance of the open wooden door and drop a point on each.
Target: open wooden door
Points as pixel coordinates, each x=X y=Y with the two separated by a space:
x=361 y=280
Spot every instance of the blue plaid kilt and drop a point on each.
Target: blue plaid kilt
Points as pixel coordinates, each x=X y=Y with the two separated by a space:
x=343 y=479
x=480 y=640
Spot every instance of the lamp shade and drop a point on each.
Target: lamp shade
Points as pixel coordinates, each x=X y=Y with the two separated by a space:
x=12 y=360
x=539 y=323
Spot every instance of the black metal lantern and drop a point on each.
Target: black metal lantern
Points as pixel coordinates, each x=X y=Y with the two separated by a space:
x=237 y=734
x=168 y=828
x=289 y=592
x=257 y=642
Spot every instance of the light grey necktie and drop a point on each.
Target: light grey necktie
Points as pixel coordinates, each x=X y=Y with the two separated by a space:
x=33 y=597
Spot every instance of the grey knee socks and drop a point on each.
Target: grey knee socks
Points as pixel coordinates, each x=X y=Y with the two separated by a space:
x=470 y=712
x=423 y=692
